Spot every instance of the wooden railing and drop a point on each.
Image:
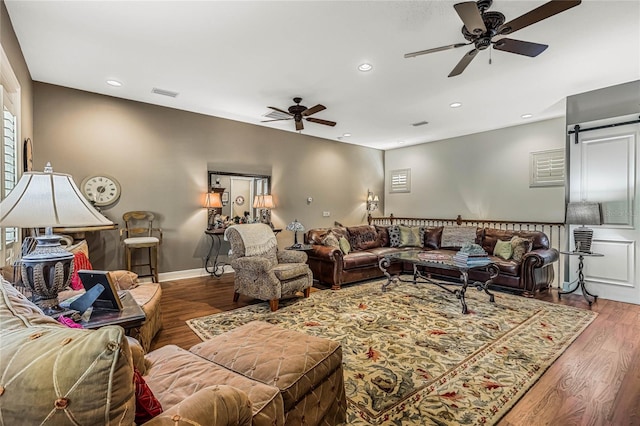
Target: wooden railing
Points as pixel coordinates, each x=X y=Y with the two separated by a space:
x=555 y=231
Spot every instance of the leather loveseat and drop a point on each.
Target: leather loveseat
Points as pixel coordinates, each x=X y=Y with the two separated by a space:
x=256 y=374
x=368 y=243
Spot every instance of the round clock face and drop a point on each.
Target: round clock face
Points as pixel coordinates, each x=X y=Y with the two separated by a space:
x=239 y=200
x=102 y=190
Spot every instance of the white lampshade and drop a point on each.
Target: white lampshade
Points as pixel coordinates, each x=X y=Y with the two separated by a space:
x=42 y=200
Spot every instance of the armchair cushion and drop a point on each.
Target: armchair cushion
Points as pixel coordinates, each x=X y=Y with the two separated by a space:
x=289 y=271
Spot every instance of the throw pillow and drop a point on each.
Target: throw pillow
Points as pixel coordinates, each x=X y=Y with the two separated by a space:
x=503 y=249
x=147 y=405
x=80 y=261
x=344 y=245
x=331 y=240
x=124 y=280
x=520 y=247
x=79 y=247
x=383 y=236
x=458 y=236
x=394 y=236
x=410 y=236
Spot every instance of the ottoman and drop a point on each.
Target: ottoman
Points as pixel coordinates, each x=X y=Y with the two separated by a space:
x=306 y=369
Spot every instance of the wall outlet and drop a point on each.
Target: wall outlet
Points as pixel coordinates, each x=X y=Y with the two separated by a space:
x=326 y=214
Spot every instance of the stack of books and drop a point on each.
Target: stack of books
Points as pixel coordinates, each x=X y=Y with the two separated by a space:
x=470 y=260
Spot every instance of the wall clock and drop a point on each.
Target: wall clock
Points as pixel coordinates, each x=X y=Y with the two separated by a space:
x=239 y=200
x=101 y=190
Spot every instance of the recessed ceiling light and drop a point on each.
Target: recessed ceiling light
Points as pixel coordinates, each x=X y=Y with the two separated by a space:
x=400 y=142
x=365 y=67
x=114 y=83
x=526 y=115
x=346 y=135
x=455 y=104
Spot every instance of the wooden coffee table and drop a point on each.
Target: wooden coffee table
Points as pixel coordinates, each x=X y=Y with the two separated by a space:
x=413 y=258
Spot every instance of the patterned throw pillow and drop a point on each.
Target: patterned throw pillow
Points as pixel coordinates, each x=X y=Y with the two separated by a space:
x=394 y=236
x=457 y=236
x=330 y=240
x=344 y=245
x=520 y=247
x=410 y=236
x=503 y=249
x=147 y=405
x=124 y=280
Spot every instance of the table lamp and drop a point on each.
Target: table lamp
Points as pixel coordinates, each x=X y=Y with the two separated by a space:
x=264 y=204
x=46 y=200
x=583 y=213
x=296 y=227
x=212 y=203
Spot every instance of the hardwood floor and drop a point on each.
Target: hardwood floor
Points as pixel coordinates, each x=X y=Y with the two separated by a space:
x=596 y=381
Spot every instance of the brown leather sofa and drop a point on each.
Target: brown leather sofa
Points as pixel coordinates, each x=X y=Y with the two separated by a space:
x=370 y=242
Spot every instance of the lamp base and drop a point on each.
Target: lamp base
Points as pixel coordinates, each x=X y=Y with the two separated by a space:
x=47 y=271
x=583 y=237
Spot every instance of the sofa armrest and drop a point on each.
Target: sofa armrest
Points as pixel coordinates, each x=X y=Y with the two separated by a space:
x=137 y=354
x=540 y=257
x=537 y=269
x=324 y=252
x=222 y=405
x=292 y=256
x=257 y=264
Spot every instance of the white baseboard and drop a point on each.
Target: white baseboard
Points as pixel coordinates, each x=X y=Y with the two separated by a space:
x=187 y=273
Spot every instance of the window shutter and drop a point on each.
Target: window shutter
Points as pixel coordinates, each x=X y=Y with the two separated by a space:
x=400 y=181
x=547 y=168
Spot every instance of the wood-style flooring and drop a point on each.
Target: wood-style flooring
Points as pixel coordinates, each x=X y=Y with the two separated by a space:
x=596 y=381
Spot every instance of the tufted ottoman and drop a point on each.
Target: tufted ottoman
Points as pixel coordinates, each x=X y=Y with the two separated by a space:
x=306 y=369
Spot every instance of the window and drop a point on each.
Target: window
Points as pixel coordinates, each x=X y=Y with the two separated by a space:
x=400 y=181
x=546 y=168
x=9 y=152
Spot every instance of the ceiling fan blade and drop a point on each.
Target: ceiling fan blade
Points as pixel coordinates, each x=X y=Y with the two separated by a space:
x=319 y=121
x=435 y=49
x=466 y=60
x=276 y=119
x=520 y=47
x=470 y=15
x=280 y=110
x=313 y=110
x=299 y=125
x=538 y=14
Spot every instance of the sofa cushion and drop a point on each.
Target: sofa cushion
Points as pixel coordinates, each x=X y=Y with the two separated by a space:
x=358 y=259
x=503 y=249
x=411 y=236
x=394 y=236
x=432 y=237
x=362 y=237
x=520 y=246
x=345 y=247
x=383 y=236
x=330 y=240
x=174 y=374
x=124 y=280
x=491 y=235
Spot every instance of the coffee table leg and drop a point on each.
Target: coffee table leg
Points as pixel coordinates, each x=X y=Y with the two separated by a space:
x=384 y=264
x=461 y=291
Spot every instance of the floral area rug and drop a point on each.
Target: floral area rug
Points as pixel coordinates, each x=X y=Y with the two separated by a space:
x=411 y=357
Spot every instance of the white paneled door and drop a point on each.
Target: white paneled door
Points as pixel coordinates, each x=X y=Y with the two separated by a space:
x=603 y=168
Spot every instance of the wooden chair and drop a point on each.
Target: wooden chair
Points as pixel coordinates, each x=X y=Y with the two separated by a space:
x=139 y=233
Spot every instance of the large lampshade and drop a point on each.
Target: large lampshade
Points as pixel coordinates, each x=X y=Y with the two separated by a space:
x=583 y=213
x=47 y=200
x=264 y=203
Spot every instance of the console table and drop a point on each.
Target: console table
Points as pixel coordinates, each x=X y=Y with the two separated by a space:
x=580 y=281
x=217 y=268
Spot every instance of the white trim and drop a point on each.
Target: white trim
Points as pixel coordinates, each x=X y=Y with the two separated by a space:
x=184 y=274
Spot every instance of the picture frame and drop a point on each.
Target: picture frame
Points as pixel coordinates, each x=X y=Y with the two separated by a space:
x=109 y=298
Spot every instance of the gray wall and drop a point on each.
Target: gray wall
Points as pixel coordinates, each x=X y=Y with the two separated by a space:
x=479 y=176
x=160 y=156
x=613 y=101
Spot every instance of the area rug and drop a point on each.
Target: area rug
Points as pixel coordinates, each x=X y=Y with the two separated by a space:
x=411 y=357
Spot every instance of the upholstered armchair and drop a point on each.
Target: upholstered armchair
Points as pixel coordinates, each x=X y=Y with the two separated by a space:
x=261 y=270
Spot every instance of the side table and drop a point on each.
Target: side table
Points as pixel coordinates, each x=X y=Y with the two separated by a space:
x=131 y=316
x=217 y=268
x=580 y=280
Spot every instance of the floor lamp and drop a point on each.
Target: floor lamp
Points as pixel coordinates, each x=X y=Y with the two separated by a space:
x=47 y=200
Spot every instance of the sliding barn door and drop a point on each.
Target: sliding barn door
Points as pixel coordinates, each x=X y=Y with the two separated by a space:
x=604 y=169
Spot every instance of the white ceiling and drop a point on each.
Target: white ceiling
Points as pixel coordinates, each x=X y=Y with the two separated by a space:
x=232 y=59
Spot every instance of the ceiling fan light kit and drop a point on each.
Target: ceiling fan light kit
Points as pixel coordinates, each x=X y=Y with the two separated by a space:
x=481 y=27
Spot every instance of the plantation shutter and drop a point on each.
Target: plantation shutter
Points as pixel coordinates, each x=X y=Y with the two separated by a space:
x=400 y=181
x=547 y=168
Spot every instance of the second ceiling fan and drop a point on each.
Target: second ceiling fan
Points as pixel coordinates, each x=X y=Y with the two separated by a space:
x=480 y=27
x=299 y=112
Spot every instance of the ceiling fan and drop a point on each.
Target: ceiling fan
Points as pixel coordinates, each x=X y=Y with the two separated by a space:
x=480 y=28
x=298 y=112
